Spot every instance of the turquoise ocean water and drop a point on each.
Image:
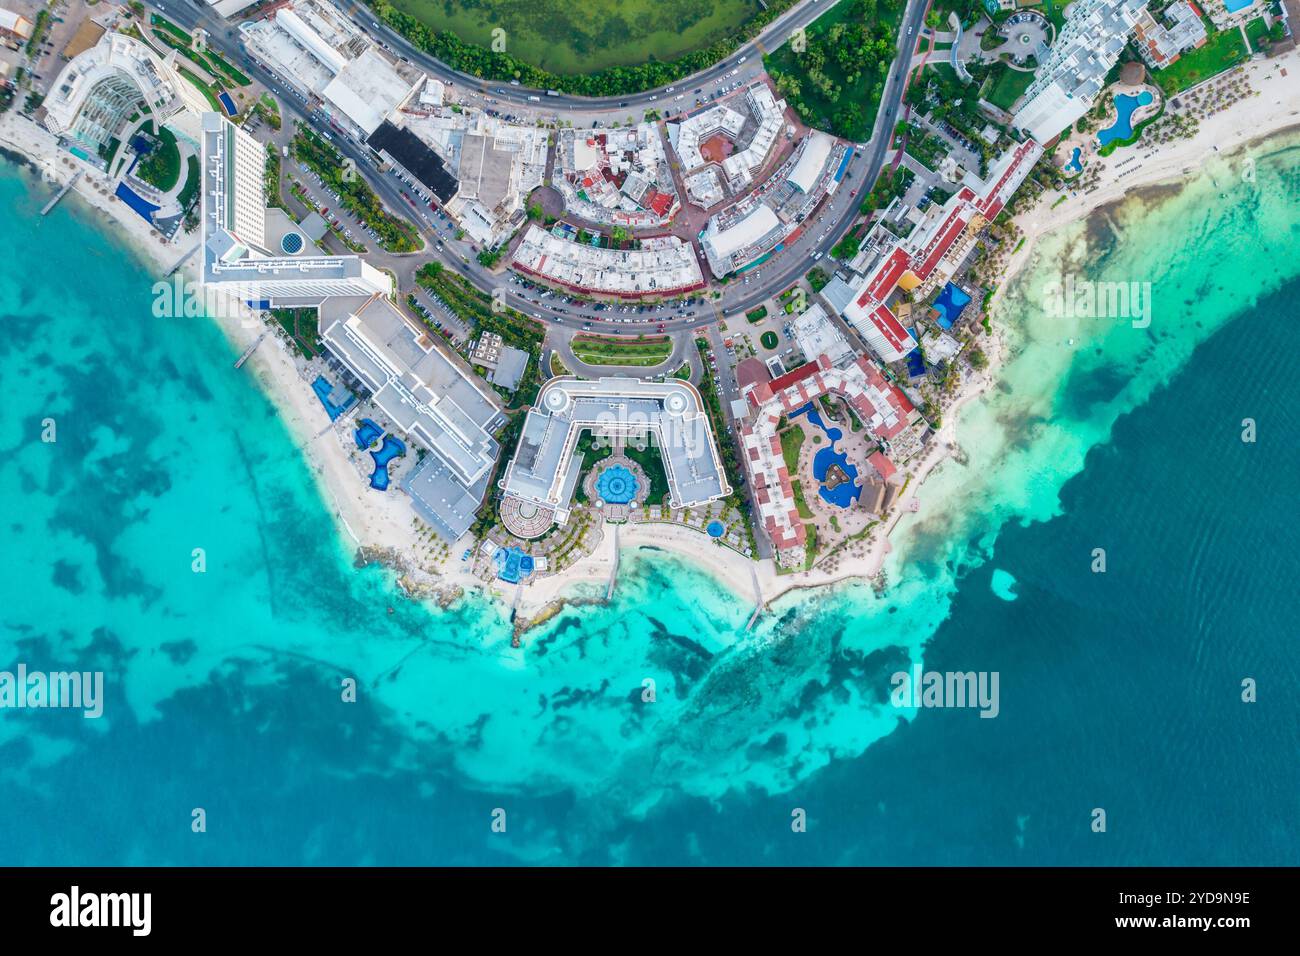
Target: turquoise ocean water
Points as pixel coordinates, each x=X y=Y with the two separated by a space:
x=1119 y=691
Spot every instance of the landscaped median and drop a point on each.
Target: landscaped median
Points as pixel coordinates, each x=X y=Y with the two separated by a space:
x=640 y=351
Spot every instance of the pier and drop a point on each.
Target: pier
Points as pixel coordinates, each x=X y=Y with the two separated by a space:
x=62 y=192
x=250 y=350
x=758 y=599
x=613 y=572
x=182 y=260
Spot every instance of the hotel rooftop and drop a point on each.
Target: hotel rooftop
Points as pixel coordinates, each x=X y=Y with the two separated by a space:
x=545 y=469
x=662 y=266
x=933 y=251
x=429 y=397
x=238 y=231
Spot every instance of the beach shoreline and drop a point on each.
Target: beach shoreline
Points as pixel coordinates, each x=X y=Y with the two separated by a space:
x=383 y=527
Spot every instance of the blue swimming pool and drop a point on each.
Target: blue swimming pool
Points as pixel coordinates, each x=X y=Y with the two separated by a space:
x=227 y=103
x=617 y=485
x=336 y=399
x=513 y=565
x=368 y=433
x=1125 y=105
x=1234 y=5
x=847 y=492
x=952 y=300
x=390 y=449
x=716 y=529
x=1075 y=165
x=144 y=207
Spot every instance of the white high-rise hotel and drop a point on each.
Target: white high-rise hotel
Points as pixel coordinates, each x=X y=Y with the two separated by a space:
x=237 y=238
x=1074 y=73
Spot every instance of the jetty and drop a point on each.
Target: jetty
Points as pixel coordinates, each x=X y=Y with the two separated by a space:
x=62 y=192
x=239 y=363
x=613 y=572
x=758 y=598
x=182 y=260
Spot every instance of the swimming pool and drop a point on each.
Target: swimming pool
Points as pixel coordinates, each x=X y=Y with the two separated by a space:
x=1125 y=105
x=367 y=434
x=952 y=300
x=330 y=396
x=1075 y=164
x=391 y=448
x=513 y=564
x=1233 y=6
x=617 y=485
x=847 y=491
x=716 y=529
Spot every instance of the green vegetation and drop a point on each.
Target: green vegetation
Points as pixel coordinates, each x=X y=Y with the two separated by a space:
x=206 y=90
x=40 y=27
x=490 y=257
x=267 y=108
x=891 y=183
x=757 y=315
x=624 y=31
x=836 y=81
x=791 y=441
x=303 y=328
x=1224 y=50
x=801 y=504
x=161 y=168
x=476 y=307
x=817 y=278
x=209 y=59
x=271 y=180
x=395 y=233
x=189 y=193
x=846 y=248
x=1006 y=85
x=924 y=147
x=640 y=351
x=769 y=340
x=652 y=463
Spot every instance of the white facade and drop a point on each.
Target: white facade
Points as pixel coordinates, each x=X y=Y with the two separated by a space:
x=236 y=261
x=1074 y=73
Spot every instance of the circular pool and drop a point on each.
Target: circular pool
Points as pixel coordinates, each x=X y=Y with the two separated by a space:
x=616 y=485
x=716 y=529
x=291 y=243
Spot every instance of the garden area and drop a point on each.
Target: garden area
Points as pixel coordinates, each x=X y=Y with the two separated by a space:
x=1224 y=50
x=836 y=81
x=640 y=351
x=161 y=166
x=1005 y=85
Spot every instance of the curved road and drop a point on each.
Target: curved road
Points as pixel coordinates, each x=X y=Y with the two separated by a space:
x=738 y=295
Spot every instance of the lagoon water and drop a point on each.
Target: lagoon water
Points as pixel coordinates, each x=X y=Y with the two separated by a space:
x=1119 y=690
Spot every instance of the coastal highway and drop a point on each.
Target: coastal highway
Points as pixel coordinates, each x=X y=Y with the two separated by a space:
x=739 y=295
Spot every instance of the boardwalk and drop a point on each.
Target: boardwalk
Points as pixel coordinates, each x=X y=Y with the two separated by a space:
x=61 y=193
x=250 y=350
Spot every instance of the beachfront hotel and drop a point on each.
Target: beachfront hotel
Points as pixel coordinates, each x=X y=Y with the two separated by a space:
x=931 y=254
x=540 y=480
x=118 y=84
x=880 y=405
x=255 y=254
x=1069 y=81
x=433 y=399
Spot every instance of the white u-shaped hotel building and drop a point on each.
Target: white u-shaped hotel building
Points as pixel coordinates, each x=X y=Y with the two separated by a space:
x=544 y=470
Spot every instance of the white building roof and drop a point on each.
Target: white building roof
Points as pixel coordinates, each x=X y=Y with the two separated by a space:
x=817 y=147
x=367 y=89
